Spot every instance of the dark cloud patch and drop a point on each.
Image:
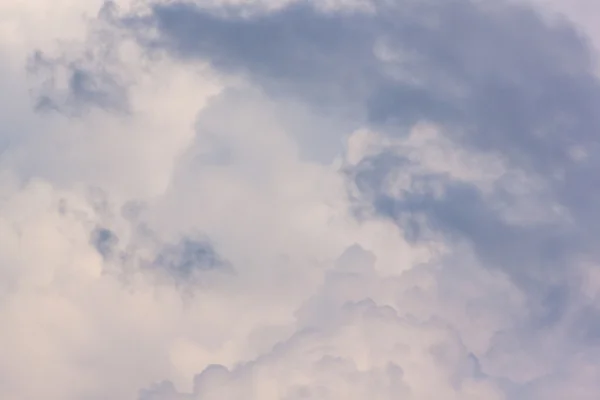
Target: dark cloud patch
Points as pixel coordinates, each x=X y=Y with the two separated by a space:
x=189 y=263
x=500 y=73
x=189 y=259
x=323 y=57
x=453 y=55
x=536 y=257
x=105 y=241
x=78 y=80
x=371 y=173
x=73 y=88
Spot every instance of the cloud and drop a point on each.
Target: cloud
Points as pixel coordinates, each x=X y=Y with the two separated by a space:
x=526 y=93
x=291 y=200
x=84 y=88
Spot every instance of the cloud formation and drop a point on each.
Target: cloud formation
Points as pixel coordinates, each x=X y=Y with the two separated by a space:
x=298 y=200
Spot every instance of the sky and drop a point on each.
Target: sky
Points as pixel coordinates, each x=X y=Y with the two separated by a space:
x=299 y=200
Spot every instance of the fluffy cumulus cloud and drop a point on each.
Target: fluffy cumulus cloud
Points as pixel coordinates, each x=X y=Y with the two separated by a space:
x=286 y=200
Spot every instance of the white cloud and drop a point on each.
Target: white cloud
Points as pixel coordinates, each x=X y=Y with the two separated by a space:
x=293 y=284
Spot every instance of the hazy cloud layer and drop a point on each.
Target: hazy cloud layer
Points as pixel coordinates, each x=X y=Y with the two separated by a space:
x=298 y=200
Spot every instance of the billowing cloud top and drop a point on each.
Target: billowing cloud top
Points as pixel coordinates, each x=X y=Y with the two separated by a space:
x=285 y=200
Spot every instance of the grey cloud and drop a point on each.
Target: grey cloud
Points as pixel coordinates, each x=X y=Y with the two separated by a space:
x=512 y=74
x=187 y=261
x=74 y=85
x=498 y=79
x=105 y=241
x=85 y=89
x=501 y=77
x=184 y=260
x=324 y=57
